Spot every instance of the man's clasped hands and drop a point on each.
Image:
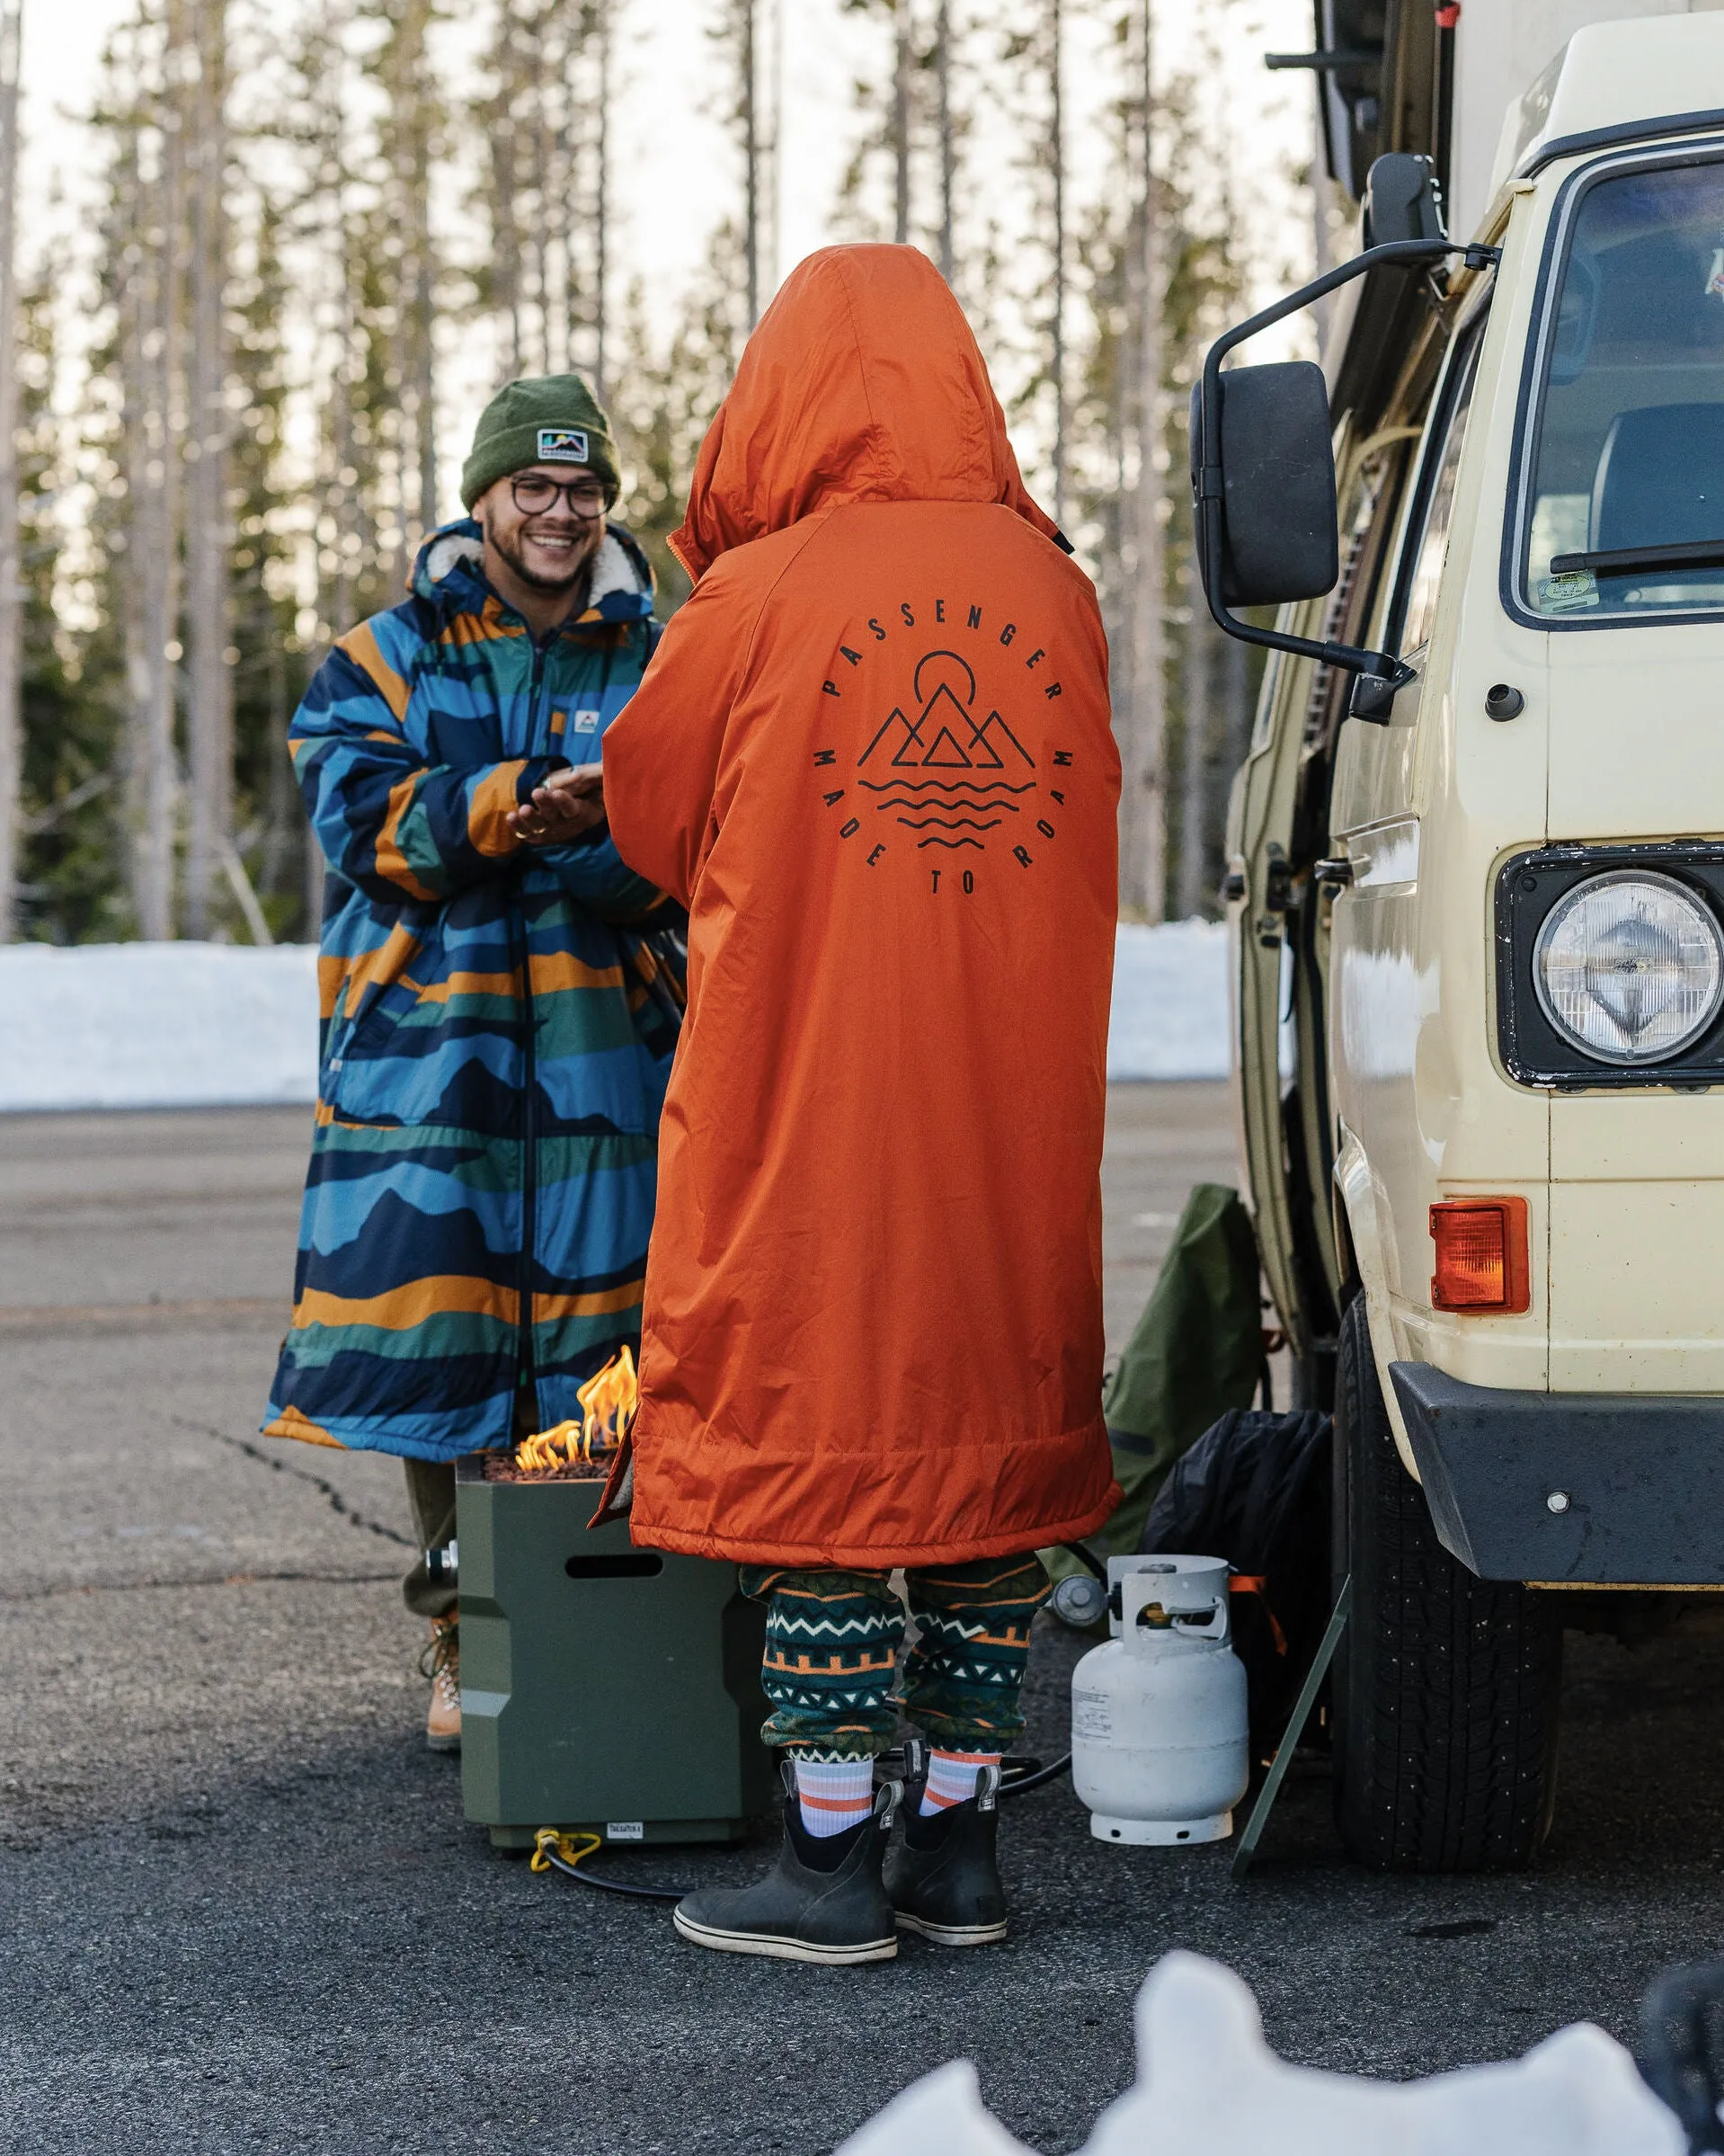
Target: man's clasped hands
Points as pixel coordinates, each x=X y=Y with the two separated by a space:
x=570 y=804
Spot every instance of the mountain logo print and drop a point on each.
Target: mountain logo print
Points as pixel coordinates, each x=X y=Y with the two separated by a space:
x=919 y=761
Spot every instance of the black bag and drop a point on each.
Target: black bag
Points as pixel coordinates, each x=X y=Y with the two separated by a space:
x=1255 y=1489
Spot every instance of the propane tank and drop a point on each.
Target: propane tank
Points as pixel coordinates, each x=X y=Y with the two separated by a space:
x=1159 y=1744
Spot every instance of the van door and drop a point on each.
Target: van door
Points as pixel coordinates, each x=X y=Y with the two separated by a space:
x=1374 y=1012
x=1277 y=829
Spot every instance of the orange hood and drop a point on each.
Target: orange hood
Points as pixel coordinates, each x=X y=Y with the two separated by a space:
x=862 y=383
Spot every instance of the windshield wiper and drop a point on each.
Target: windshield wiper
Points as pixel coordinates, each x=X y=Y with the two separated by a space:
x=1629 y=561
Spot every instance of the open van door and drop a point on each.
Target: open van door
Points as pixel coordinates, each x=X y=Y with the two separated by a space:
x=1278 y=915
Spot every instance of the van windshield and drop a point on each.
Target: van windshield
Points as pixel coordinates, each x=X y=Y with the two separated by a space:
x=1627 y=502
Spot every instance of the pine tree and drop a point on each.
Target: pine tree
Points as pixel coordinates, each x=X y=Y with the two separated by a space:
x=10 y=590
x=544 y=120
x=1034 y=46
x=946 y=140
x=736 y=30
x=143 y=278
x=664 y=402
x=72 y=881
x=270 y=667
x=914 y=125
x=401 y=288
x=325 y=218
x=208 y=542
x=1159 y=272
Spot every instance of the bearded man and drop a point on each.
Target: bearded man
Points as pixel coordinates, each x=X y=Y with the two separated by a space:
x=500 y=994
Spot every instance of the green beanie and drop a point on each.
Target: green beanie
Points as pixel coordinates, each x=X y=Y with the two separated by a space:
x=542 y=419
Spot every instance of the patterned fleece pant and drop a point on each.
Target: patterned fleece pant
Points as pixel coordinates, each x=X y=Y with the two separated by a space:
x=832 y=1651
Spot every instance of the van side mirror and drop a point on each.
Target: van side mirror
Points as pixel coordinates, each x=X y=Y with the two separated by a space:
x=1403 y=201
x=1278 y=533
x=1263 y=492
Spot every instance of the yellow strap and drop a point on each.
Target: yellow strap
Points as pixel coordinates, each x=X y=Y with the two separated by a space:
x=570 y=1848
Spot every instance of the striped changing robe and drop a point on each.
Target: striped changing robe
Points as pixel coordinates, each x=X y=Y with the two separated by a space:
x=497 y=1023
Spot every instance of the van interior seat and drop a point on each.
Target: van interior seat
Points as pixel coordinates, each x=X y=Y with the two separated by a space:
x=1660 y=477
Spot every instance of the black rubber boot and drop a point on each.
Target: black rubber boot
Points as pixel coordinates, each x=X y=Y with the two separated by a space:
x=822 y=1902
x=944 y=1877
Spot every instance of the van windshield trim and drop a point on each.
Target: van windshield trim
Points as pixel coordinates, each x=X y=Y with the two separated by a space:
x=1621 y=136
x=1534 y=382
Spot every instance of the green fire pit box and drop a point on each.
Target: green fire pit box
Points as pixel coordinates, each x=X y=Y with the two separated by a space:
x=604 y=1687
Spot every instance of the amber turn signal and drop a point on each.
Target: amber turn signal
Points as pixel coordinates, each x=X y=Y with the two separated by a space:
x=1481 y=1256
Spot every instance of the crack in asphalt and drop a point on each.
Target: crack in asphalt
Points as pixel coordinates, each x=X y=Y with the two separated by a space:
x=336 y=1501
x=122 y=1587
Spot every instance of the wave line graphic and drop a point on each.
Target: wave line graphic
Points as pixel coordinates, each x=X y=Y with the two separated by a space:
x=953 y=843
x=948 y=785
x=1013 y=808
x=950 y=823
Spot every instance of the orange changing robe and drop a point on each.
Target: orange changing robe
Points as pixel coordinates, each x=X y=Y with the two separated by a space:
x=873 y=757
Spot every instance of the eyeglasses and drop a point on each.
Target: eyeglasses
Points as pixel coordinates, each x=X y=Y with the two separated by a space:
x=534 y=495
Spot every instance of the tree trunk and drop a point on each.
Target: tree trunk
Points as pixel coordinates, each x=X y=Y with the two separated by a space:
x=209 y=541
x=1143 y=832
x=404 y=72
x=1323 y=250
x=1233 y=740
x=153 y=436
x=504 y=148
x=12 y=595
x=601 y=215
x=424 y=374
x=749 y=121
x=772 y=180
x=1056 y=150
x=902 y=61
x=1198 y=749
x=948 y=157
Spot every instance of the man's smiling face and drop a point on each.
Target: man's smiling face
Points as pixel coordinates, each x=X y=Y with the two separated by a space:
x=546 y=546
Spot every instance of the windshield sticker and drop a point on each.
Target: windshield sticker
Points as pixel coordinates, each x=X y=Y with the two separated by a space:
x=1714 y=287
x=1567 y=595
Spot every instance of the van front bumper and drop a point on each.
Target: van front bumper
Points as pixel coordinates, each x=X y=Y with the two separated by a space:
x=1572 y=1489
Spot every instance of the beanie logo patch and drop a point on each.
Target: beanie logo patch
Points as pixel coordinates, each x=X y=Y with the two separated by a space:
x=562 y=445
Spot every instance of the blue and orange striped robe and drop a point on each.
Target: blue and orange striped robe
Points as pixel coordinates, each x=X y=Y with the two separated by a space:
x=497 y=1023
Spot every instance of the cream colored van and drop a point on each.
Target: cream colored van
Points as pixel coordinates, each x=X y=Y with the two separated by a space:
x=1477 y=883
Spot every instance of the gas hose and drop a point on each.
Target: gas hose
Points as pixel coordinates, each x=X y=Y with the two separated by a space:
x=556 y=1851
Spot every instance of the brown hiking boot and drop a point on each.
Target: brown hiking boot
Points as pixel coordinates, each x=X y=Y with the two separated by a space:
x=441 y=1663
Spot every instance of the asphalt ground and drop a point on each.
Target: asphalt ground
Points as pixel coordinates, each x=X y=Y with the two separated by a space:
x=243 y=1909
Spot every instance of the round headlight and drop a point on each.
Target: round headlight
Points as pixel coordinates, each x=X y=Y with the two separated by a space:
x=1629 y=968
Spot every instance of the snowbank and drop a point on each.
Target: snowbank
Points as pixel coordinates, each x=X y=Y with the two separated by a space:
x=203 y=1025
x=157 y=1025
x=1170 y=1009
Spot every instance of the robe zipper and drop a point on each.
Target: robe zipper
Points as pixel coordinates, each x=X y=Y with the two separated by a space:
x=528 y=1378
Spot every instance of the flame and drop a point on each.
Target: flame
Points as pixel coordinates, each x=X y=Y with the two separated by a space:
x=608 y=1403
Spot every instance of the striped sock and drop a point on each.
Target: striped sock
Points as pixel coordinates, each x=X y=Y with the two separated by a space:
x=952 y=1778
x=834 y=1793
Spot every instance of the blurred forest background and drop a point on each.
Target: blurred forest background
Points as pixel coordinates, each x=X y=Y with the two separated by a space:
x=222 y=428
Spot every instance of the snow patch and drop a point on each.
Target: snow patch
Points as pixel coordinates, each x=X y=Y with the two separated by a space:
x=208 y=1025
x=157 y=1025
x=1170 y=1017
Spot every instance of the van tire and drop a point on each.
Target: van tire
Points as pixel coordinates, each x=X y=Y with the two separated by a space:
x=1445 y=1686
